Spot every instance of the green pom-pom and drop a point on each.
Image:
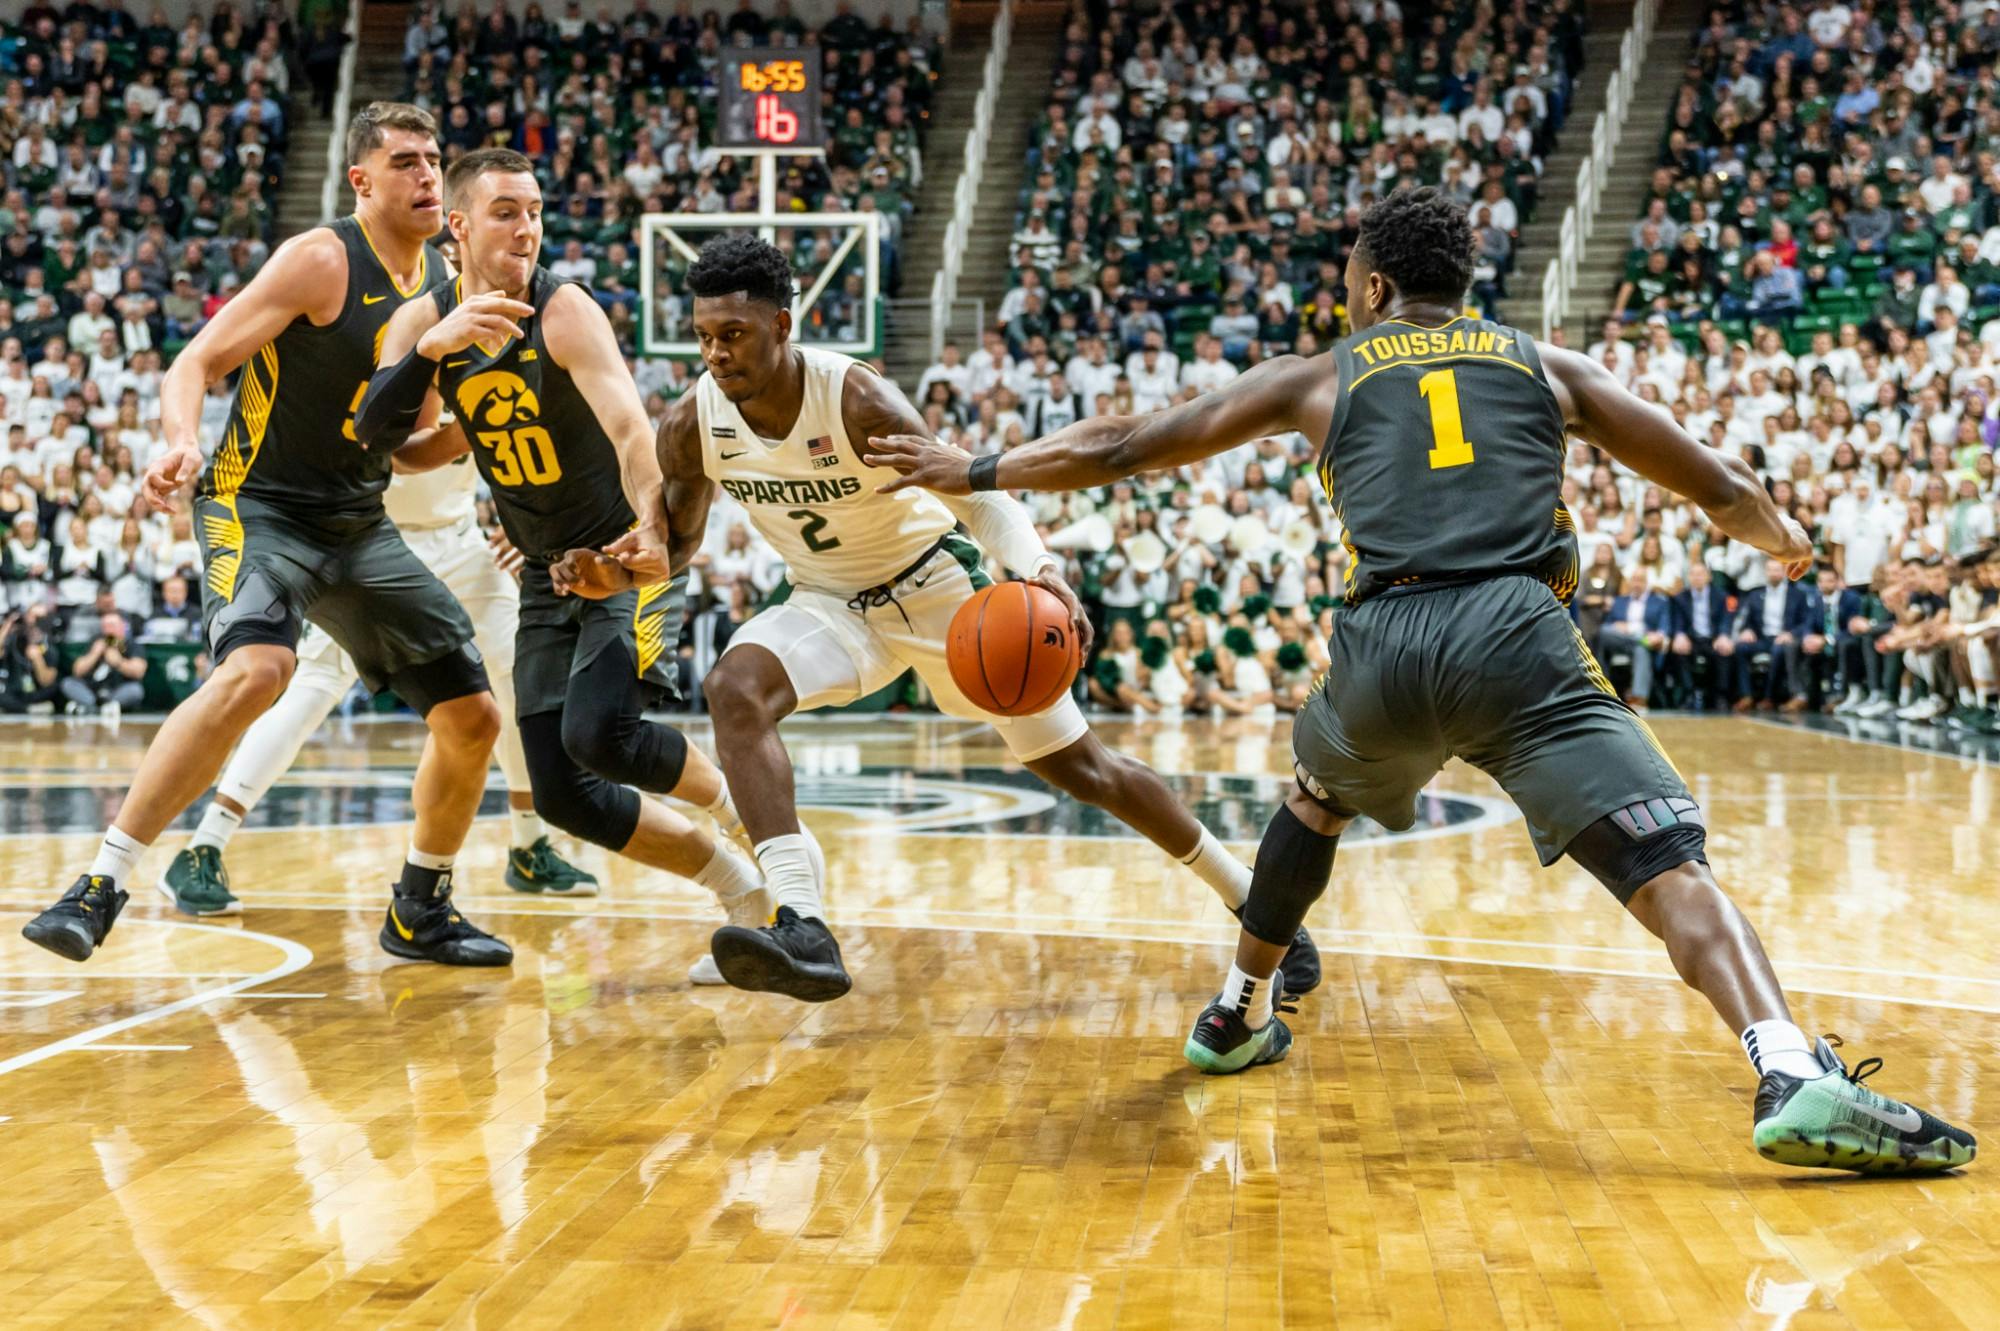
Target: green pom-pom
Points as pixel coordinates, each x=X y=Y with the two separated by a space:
x=1292 y=656
x=1207 y=600
x=1107 y=674
x=1240 y=642
x=1154 y=652
x=1256 y=606
x=1320 y=603
x=1204 y=663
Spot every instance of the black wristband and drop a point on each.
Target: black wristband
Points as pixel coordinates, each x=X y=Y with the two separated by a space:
x=982 y=473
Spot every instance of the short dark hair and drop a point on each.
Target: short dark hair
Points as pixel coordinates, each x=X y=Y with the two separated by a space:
x=742 y=261
x=458 y=177
x=1420 y=240
x=364 y=132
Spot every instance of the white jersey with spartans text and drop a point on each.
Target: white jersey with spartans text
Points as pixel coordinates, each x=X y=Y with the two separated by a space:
x=810 y=495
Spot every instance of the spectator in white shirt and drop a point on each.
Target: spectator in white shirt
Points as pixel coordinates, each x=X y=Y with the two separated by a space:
x=1208 y=371
x=988 y=365
x=1943 y=290
x=1940 y=187
x=1152 y=381
x=575 y=265
x=947 y=369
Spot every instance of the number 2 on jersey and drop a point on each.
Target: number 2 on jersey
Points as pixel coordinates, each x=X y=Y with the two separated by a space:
x=1450 y=449
x=815 y=523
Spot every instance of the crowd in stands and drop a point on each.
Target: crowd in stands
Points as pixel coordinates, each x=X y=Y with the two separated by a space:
x=617 y=115
x=139 y=163
x=1828 y=189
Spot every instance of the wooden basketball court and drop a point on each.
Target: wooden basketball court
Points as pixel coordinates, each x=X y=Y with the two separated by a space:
x=1502 y=1110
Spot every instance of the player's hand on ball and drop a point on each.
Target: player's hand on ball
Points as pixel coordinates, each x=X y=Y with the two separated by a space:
x=926 y=463
x=1052 y=581
x=489 y=318
x=172 y=471
x=505 y=557
x=588 y=574
x=643 y=554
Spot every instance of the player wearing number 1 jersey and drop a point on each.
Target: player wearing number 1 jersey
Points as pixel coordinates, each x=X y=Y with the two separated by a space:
x=543 y=402
x=874 y=581
x=1443 y=440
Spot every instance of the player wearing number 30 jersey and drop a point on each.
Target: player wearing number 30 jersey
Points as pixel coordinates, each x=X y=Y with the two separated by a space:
x=874 y=580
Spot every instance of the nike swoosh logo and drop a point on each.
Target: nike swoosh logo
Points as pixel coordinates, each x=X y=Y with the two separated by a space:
x=373 y=300
x=397 y=920
x=726 y=456
x=921 y=581
x=1905 y=1120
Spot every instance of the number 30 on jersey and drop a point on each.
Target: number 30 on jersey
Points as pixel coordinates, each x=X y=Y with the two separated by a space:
x=525 y=456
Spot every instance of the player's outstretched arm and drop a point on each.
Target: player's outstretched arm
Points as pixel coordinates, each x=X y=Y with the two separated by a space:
x=686 y=493
x=1281 y=395
x=305 y=277
x=873 y=408
x=1647 y=438
x=580 y=340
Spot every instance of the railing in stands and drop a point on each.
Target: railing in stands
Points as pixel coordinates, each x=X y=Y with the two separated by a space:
x=944 y=284
x=343 y=99
x=1580 y=218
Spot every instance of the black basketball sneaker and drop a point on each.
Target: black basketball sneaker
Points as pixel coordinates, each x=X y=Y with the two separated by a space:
x=1832 y=1121
x=1222 y=1042
x=793 y=955
x=77 y=925
x=429 y=928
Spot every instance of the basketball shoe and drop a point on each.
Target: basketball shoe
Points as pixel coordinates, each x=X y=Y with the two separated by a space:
x=793 y=955
x=538 y=868
x=1222 y=1042
x=429 y=928
x=752 y=909
x=197 y=883
x=1832 y=1121
x=77 y=925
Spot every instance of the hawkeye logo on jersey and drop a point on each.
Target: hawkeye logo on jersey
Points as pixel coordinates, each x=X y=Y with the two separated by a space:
x=496 y=399
x=793 y=492
x=821 y=452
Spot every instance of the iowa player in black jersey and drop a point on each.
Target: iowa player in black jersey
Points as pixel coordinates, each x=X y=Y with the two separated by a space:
x=532 y=372
x=292 y=527
x=1443 y=446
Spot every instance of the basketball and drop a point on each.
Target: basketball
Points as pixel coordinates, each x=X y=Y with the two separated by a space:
x=1011 y=650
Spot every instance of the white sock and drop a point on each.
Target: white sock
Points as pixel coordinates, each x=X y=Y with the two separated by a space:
x=1249 y=995
x=723 y=810
x=727 y=875
x=117 y=856
x=217 y=826
x=1779 y=1046
x=1229 y=876
x=788 y=873
x=526 y=827
x=426 y=860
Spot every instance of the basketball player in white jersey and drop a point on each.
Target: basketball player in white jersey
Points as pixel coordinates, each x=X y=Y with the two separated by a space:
x=434 y=511
x=874 y=582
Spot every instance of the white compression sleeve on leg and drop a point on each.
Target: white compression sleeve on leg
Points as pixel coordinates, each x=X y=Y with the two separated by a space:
x=272 y=743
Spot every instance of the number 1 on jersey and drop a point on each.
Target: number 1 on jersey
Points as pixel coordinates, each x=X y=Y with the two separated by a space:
x=1440 y=389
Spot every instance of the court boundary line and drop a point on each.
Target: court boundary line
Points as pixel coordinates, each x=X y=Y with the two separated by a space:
x=705 y=917
x=297 y=956
x=1766 y=723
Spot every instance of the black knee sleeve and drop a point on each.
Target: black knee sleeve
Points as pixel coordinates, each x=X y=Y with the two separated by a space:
x=1627 y=849
x=1293 y=864
x=459 y=673
x=569 y=797
x=259 y=612
x=604 y=728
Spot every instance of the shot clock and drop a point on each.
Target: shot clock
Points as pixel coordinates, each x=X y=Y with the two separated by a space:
x=769 y=98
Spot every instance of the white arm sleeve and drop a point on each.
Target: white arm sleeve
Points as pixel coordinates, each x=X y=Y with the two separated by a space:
x=1001 y=525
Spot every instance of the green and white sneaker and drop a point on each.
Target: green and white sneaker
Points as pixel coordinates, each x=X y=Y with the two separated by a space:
x=538 y=868
x=1832 y=1121
x=1222 y=1042
x=197 y=883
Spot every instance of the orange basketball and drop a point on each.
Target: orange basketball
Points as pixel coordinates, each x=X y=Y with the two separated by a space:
x=1011 y=649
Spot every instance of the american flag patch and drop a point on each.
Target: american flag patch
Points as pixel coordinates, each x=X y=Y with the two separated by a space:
x=724 y=432
x=821 y=452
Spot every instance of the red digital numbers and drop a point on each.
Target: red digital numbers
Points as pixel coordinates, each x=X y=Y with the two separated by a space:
x=774 y=124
